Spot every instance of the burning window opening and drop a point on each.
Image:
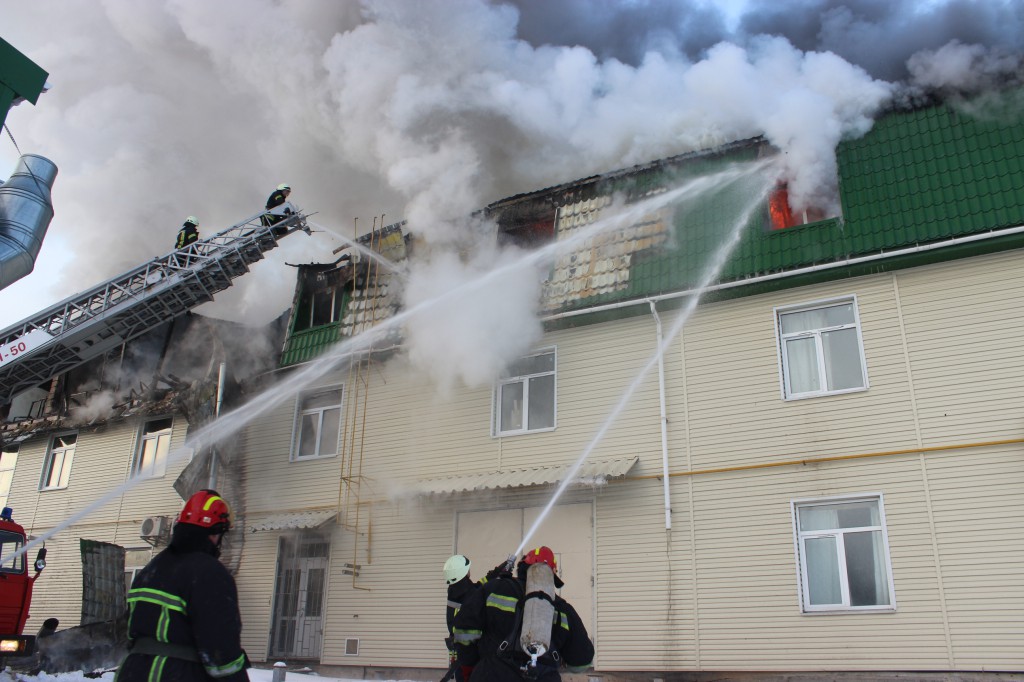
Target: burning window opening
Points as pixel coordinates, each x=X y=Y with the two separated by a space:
x=781 y=214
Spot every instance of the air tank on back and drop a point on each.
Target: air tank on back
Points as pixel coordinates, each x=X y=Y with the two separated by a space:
x=538 y=611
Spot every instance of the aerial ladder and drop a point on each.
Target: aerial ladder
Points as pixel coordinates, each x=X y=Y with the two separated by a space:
x=93 y=322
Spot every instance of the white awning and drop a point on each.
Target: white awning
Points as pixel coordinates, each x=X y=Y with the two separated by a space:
x=289 y=521
x=590 y=473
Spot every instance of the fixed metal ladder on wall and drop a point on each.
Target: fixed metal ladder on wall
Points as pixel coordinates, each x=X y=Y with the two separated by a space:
x=90 y=323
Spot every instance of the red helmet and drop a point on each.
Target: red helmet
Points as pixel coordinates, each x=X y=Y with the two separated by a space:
x=541 y=555
x=207 y=509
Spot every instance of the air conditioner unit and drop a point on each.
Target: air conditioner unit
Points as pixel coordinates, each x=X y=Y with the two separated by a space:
x=155 y=529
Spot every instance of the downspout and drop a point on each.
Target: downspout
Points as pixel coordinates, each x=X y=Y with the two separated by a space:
x=26 y=210
x=664 y=420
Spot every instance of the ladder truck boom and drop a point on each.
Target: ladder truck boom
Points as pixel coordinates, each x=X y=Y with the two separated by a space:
x=92 y=322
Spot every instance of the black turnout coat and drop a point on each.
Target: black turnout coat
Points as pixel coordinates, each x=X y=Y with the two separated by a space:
x=186 y=598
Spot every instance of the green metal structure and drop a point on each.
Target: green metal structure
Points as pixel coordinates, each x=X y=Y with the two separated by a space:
x=20 y=77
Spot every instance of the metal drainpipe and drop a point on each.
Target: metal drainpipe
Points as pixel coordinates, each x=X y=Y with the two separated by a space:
x=216 y=413
x=664 y=420
x=26 y=210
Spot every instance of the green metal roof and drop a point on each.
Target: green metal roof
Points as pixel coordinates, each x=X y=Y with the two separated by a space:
x=917 y=177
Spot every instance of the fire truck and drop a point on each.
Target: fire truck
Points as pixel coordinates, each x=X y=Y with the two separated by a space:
x=15 y=587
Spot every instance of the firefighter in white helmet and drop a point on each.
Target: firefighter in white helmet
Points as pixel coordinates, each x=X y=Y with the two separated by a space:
x=456 y=575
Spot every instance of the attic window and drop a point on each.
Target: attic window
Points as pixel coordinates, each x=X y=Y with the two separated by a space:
x=781 y=215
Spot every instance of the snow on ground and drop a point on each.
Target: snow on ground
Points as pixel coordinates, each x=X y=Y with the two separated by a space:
x=255 y=675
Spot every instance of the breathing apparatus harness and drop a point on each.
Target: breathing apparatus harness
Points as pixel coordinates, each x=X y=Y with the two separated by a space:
x=539 y=660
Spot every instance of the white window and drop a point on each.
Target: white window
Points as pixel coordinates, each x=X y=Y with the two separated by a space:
x=57 y=469
x=525 y=397
x=134 y=561
x=317 y=424
x=154 y=444
x=8 y=460
x=843 y=554
x=821 y=349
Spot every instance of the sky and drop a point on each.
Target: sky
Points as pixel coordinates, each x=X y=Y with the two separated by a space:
x=387 y=110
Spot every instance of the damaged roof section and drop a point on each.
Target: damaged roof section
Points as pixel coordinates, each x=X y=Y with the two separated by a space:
x=172 y=369
x=339 y=300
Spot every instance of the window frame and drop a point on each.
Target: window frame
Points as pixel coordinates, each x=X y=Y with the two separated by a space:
x=46 y=474
x=783 y=357
x=297 y=422
x=141 y=443
x=496 y=431
x=806 y=607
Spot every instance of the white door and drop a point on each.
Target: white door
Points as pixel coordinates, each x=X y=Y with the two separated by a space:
x=487 y=537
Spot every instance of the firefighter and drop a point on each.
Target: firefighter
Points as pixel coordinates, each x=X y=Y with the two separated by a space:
x=460 y=584
x=278 y=200
x=183 y=622
x=188 y=233
x=488 y=626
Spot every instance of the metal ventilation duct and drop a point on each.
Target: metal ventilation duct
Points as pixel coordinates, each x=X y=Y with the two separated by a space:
x=25 y=213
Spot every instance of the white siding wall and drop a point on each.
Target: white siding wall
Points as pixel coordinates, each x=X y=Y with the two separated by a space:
x=720 y=591
x=103 y=461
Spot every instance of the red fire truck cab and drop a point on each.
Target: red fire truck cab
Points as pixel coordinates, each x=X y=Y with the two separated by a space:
x=15 y=587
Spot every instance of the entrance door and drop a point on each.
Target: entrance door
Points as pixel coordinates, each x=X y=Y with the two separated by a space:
x=299 y=596
x=486 y=537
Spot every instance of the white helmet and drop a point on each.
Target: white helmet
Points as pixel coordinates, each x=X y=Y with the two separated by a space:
x=456 y=568
x=284 y=188
x=192 y=220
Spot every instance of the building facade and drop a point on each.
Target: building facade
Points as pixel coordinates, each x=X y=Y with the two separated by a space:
x=821 y=473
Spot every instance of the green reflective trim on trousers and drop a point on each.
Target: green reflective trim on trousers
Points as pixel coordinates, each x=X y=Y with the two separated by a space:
x=502 y=603
x=227 y=669
x=156 y=671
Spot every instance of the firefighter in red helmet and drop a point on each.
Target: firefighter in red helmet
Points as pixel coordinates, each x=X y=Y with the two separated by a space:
x=489 y=626
x=184 y=623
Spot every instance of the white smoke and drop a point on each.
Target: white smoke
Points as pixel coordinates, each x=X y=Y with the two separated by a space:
x=420 y=110
x=471 y=336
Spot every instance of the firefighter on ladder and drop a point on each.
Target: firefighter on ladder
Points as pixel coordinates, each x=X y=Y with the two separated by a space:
x=278 y=207
x=183 y=618
x=188 y=233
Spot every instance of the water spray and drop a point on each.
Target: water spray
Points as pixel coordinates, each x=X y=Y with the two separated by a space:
x=717 y=262
x=346 y=350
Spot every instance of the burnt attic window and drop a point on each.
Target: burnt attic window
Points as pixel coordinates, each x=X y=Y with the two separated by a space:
x=528 y=224
x=321 y=298
x=781 y=215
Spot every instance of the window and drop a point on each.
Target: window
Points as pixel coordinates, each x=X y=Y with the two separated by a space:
x=525 y=397
x=57 y=469
x=9 y=544
x=8 y=460
x=134 y=561
x=154 y=445
x=318 y=424
x=821 y=349
x=781 y=215
x=843 y=555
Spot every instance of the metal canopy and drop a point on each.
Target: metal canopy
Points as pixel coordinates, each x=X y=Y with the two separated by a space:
x=589 y=473
x=88 y=324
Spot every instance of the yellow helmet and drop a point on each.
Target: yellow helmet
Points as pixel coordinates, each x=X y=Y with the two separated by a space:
x=456 y=568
